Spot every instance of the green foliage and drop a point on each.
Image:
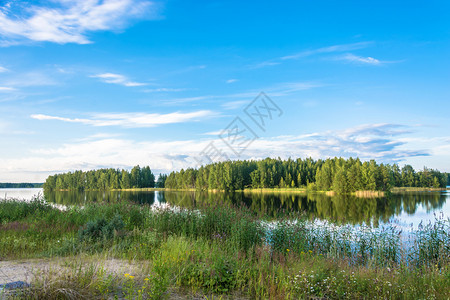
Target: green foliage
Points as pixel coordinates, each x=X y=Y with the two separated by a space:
x=7 y=185
x=100 y=229
x=224 y=250
x=13 y=210
x=237 y=175
x=102 y=179
x=337 y=174
x=237 y=227
x=161 y=182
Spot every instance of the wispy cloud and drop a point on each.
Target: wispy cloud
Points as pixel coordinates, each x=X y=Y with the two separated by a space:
x=382 y=142
x=213 y=133
x=283 y=89
x=264 y=64
x=132 y=120
x=31 y=78
x=235 y=104
x=311 y=52
x=186 y=70
x=3 y=69
x=165 y=90
x=231 y=80
x=117 y=79
x=63 y=21
x=276 y=90
x=329 y=49
x=373 y=141
x=349 y=57
x=6 y=89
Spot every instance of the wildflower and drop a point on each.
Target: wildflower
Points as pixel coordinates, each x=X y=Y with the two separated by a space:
x=146 y=279
x=302 y=252
x=310 y=251
x=288 y=250
x=131 y=276
x=126 y=275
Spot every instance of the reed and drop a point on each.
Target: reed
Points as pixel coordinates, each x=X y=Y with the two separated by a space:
x=222 y=250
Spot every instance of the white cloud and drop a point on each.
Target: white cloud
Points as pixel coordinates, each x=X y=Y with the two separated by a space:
x=132 y=120
x=64 y=21
x=3 y=69
x=188 y=99
x=6 y=89
x=164 y=90
x=317 y=51
x=187 y=69
x=32 y=78
x=382 y=142
x=235 y=104
x=287 y=88
x=277 y=90
x=263 y=64
x=231 y=80
x=213 y=133
x=117 y=79
x=104 y=152
x=360 y=59
x=329 y=49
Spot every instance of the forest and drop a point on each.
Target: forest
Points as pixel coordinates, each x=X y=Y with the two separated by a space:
x=332 y=174
x=102 y=179
x=21 y=185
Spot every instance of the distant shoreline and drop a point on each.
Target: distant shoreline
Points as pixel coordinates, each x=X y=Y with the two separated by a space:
x=361 y=193
x=20 y=185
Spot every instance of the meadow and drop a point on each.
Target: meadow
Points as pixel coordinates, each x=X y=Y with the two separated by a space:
x=220 y=251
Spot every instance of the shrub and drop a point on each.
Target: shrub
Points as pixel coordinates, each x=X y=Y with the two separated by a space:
x=100 y=229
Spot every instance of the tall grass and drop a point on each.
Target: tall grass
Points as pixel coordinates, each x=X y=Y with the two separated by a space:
x=14 y=210
x=387 y=246
x=430 y=245
x=226 y=250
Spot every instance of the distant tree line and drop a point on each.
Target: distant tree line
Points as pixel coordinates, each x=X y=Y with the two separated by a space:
x=333 y=174
x=7 y=185
x=102 y=179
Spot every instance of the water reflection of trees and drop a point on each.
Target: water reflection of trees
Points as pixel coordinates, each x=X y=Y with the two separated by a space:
x=80 y=198
x=338 y=208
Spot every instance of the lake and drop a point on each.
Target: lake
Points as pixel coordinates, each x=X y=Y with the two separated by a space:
x=405 y=210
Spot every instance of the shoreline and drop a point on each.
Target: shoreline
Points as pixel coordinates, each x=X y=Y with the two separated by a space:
x=361 y=193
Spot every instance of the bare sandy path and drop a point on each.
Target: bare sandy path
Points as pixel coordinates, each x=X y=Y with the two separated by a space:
x=23 y=271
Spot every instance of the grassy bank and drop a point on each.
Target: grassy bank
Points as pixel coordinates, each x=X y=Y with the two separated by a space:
x=126 y=190
x=220 y=250
x=415 y=189
x=276 y=190
x=140 y=189
x=363 y=193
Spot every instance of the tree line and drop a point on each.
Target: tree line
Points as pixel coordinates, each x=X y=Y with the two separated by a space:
x=22 y=185
x=102 y=179
x=333 y=174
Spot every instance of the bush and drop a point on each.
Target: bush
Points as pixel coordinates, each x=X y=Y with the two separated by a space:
x=100 y=229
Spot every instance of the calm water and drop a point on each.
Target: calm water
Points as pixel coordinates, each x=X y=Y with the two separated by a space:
x=20 y=193
x=408 y=209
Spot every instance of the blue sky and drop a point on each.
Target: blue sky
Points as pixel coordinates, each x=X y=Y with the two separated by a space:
x=90 y=84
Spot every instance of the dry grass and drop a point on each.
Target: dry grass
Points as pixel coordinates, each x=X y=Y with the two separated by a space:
x=369 y=194
x=415 y=189
x=275 y=190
